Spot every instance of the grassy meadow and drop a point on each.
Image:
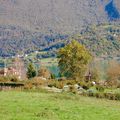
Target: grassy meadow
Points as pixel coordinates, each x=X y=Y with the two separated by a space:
x=15 y=105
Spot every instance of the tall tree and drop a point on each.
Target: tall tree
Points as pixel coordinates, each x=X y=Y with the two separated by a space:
x=73 y=60
x=31 y=72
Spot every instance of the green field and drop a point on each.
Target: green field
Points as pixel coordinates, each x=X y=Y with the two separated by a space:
x=53 y=106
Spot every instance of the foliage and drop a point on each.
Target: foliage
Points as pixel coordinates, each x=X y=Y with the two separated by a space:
x=72 y=89
x=31 y=72
x=28 y=86
x=8 y=79
x=100 y=88
x=4 y=79
x=53 y=76
x=103 y=39
x=37 y=82
x=113 y=74
x=85 y=85
x=44 y=72
x=73 y=60
x=13 y=79
x=95 y=75
x=55 y=83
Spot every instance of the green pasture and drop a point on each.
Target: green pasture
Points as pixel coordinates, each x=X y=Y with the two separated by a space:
x=53 y=106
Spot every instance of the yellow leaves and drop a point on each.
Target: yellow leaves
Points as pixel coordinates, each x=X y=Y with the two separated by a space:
x=72 y=59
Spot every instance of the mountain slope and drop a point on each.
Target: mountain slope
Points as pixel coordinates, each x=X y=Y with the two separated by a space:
x=62 y=16
x=29 y=25
x=99 y=39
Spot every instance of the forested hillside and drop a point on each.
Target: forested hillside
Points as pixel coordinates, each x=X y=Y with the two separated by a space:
x=30 y=25
x=101 y=40
x=15 y=40
x=62 y=16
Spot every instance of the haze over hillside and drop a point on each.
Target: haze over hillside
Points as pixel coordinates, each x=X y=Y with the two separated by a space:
x=62 y=16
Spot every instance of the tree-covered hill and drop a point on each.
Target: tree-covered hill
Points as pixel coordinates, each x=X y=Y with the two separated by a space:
x=101 y=40
x=15 y=40
x=62 y=16
x=30 y=25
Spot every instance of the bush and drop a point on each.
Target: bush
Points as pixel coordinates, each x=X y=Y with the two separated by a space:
x=99 y=95
x=55 y=83
x=44 y=72
x=72 y=89
x=112 y=96
x=4 y=79
x=38 y=82
x=52 y=83
x=70 y=82
x=85 y=85
x=113 y=74
x=14 y=79
x=28 y=85
x=9 y=79
x=100 y=88
x=117 y=96
x=113 y=83
x=53 y=76
x=60 y=85
x=91 y=92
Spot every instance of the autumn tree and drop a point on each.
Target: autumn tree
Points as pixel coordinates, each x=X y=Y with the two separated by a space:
x=73 y=60
x=44 y=72
x=113 y=73
x=31 y=71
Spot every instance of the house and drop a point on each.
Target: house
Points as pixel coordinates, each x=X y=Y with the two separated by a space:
x=8 y=71
x=11 y=71
x=16 y=68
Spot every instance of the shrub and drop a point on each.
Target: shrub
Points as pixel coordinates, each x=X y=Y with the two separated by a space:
x=28 y=85
x=4 y=79
x=112 y=96
x=85 y=85
x=91 y=92
x=38 y=82
x=55 y=83
x=60 y=85
x=113 y=83
x=100 y=88
x=44 y=72
x=72 y=89
x=53 y=76
x=51 y=83
x=117 y=96
x=70 y=82
x=99 y=95
x=113 y=74
x=13 y=79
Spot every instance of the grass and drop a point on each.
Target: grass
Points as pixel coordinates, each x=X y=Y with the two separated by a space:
x=49 y=61
x=53 y=106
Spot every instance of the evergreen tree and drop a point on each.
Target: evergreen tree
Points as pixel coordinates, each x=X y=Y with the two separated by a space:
x=31 y=72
